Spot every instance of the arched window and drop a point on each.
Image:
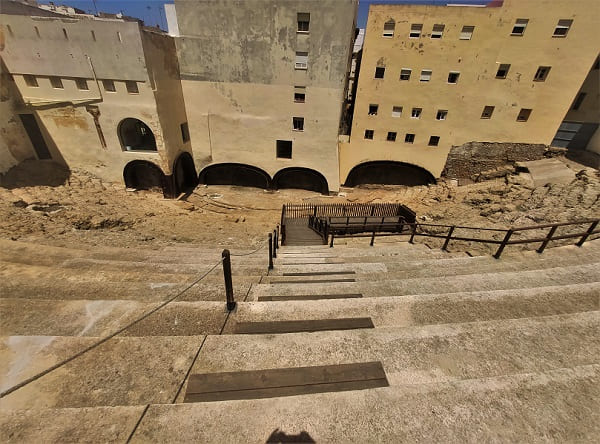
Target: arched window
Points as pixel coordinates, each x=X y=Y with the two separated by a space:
x=135 y=135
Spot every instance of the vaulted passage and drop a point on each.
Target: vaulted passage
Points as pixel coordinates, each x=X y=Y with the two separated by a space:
x=388 y=173
x=302 y=178
x=235 y=174
x=184 y=173
x=135 y=135
x=144 y=175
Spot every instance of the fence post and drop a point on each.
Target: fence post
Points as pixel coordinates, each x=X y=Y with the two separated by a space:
x=450 y=231
x=373 y=238
x=227 y=275
x=274 y=244
x=548 y=239
x=587 y=233
x=412 y=235
x=270 y=251
x=503 y=244
x=277 y=237
x=332 y=236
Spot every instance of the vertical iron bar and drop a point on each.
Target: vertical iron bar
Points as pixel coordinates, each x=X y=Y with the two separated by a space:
x=450 y=231
x=548 y=239
x=270 y=251
x=373 y=238
x=277 y=237
x=588 y=233
x=274 y=244
x=503 y=244
x=227 y=275
x=332 y=236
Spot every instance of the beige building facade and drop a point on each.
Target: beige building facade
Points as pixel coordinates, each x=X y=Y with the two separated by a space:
x=437 y=76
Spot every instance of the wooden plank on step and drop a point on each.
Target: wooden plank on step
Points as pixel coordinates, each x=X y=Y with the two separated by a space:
x=305 y=325
x=309 y=297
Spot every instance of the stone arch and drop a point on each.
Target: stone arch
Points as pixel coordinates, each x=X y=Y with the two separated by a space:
x=184 y=173
x=144 y=175
x=235 y=174
x=135 y=135
x=302 y=178
x=389 y=173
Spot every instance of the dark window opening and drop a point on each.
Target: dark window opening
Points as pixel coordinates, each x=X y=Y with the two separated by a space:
x=82 y=84
x=373 y=109
x=391 y=136
x=30 y=80
x=562 y=28
x=185 y=132
x=379 y=72
x=405 y=74
x=437 y=31
x=502 y=71
x=467 y=32
x=284 y=149
x=541 y=74
x=299 y=94
x=434 y=140
x=453 y=77
x=487 y=112
x=415 y=30
x=132 y=87
x=56 y=82
x=369 y=134
x=519 y=27
x=388 y=28
x=298 y=123
x=524 y=115
x=409 y=138
x=135 y=135
x=303 y=21
x=109 y=85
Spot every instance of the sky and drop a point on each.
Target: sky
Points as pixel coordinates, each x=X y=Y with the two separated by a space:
x=152 y=11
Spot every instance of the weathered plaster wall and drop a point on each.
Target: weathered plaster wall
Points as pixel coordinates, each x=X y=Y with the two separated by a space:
x=477 y=60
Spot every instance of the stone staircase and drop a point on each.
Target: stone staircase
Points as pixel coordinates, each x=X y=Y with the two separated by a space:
x=390 y=343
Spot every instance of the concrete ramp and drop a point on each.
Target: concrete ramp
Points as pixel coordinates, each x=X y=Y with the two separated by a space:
x=548 y=171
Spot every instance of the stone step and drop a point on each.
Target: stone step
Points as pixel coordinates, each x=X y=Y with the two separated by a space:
x=389 y=285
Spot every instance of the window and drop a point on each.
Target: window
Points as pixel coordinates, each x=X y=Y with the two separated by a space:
x=405 y=74
x=438 y=31
x=82 y=84
x=487 y=112
x=369 y=134
x=502 y=71
x=373 y=109
x=56 y=82
x=541 y=74
x=415 y=30
x=396 y=111
x=135 y=135
x=409 y=138
x=578 y=101
x=416 y=113
x=391 y=136
x=299 y=94
x=109 y=85
x=65 y=34
x=132 y=87
x=562 y=28
x=301 y=60
x=434 y=141
x=388 y=28
x=93 y=35
x=441 y=114
x=519 y=27
x=298 y=123
x=284 y=149
x=30 y=80
x=523 y=115
x=425 y=75
x=379 y=72
x=185 y=132
x=453 y=77
x=467 y=32
x=303 y=21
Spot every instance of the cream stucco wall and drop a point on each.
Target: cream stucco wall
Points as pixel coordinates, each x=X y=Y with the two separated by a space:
x=477 y=60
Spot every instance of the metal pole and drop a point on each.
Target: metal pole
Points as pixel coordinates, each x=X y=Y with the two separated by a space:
x=332 y=236
x=503 y=244
x=270 y=251
x=548 y=239
x=373 y=238
x=274 y=243
x=227 y=275
x=587 y=234
x=277 y=237
x=450 y=231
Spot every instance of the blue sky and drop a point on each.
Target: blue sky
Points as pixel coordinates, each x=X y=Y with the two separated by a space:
x=152 y=11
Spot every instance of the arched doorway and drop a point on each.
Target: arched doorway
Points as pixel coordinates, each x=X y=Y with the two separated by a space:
x=301 y=178
x=388 y=173
x=235 y=174
x=135 y=135
x=184 y=173
x=144 y=175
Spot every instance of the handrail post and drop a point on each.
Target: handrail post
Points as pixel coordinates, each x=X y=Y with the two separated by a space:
x=332 y=236
x=277 y=237
x=227 y=275
x=503 y=244
x=548 y=239
x=412 y=235
x=274 y=244
x=372 y=238
x=270 y=251
x=450 y=231
x=587 y=234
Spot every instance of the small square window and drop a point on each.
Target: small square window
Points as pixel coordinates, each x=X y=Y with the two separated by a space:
x=185 y=132
x=30 y=80
x=438 y=31
x=541 y=74
x=82 y=84
x=562 y=28
x=109 y=85
x=388 y=28
x=301 y=60
x=425 y=75
x=56 y=82
x=453 y=77
x=441 y=114
x=132 y=87
x=502 y=71
x=524 y=115
x=405 y=74
x=415 y=30
x=396 y=111
x=409 y=138
x=379 y=72
x=298 y=123
x=578 y=101
x=303 y=21
x=416 y=113
x=284 y=149
x=519 y=27
x=373 y=109
x=467 y=32
x=369 y=134
x=487 y=112
x=299 y=94
x=391 y=136
x=434 y=141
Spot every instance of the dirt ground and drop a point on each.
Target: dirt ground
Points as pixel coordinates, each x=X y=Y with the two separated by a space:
x=45 y=203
